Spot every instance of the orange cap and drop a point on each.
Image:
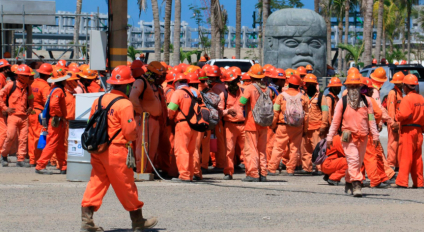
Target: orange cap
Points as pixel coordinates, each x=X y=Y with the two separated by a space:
x=309 y=67
x=354 y=79
x=256 y=71
x=398 y=78
x=310 y=78
x=213 y=71
x=46 y=69
x=302 y=71
x=335 y=82
x=121 y=75
x=379 y=75
x=410 y=79
x=245 y=76
x=294 y=80
x=278 y=73
x=156 y=67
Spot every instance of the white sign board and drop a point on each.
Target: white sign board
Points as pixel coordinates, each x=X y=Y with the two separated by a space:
x=98 y=50
x=83 y=103
x=30 y=7
x=74 y=142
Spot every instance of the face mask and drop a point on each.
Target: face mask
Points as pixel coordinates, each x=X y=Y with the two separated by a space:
x=311 y=90
x=233 y=87
x=364 y=90
x=335 y=91
x=353 y=95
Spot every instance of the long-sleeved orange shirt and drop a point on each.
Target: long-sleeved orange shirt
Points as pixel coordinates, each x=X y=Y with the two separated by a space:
x=385 y=115
x=20 y=99
x=393 y=100
x=40 y=90
x=248 y=100
x=94 y=87
x=232 y=103
x=318 y=115
x=168 y=91
x=181 y=102
x=331 y=105
x=70 y=103
x=121 y=116
x=149 y=103
x=3 y=79
x=58 y=105
x=411 y=110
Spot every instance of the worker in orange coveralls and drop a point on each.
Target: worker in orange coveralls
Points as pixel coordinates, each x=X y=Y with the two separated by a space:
x=4 y=69
x=393 y=100
x=88 y=76
x=287 y=135
x=40 y=90
x=410 y=115
x=332 y=98
x=109 y=167
x=57 y=124
x=317 y=123
x=255 y=135
x=145 y=98
x=234 y=123
x=335 y=165
x=18 y=105
x=185 y=137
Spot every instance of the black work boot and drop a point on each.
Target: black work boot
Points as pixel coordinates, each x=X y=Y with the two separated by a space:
x=63 y=172
x=262 y=178
x=273 y=173
x=382 y=185
x=4 y=162
x=333 y=182
x=228 y=177
x=349 y=188
x=282 y=166
x=87 y=222
x=22 y=164
x=326 y=177
x=357 y=188
x=43 y=171
x=250 y=179
x=139 y=223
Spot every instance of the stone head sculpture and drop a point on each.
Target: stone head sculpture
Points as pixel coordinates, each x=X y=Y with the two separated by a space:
x=296 y=37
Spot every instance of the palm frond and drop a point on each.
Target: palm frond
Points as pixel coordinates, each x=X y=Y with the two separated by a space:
x=142 y=6
x=217 y=14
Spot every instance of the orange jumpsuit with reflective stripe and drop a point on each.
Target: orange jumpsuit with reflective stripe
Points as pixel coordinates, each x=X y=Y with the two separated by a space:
x=411 y=117
x=270 y=134
x=220 y=89
x=335 y=165
x=109 y=167
x=393 y=99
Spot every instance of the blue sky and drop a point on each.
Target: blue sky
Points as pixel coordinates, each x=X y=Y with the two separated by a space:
x=230 y=5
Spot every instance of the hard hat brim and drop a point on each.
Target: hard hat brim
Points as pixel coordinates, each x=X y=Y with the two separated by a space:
x=112 y=82
x=54 y=80
x=257 y=76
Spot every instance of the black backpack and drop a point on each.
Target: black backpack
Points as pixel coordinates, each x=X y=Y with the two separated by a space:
x=13 y=90
x=197 y=117
x=95 y=138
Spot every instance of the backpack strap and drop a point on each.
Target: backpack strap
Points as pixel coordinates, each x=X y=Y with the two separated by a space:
x=191 y=111
x=320 y=100
x=144 y=88
x=333 y=100
x=107 y=110
x=10 y=93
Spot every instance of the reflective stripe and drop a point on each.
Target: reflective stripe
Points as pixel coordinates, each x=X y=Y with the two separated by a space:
x=277 y=107
x=243 y=100
x=324 y=108
x=173 y=106
x=30 y=97
x=371 y=117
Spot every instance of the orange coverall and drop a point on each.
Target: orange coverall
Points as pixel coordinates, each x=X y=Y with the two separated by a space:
x=234 y=130
x=286 y=135
x=56 y=135
x=3 y=118
x=163 y=157
x=3 y=79
x=220 y=156
x=335 y=165
x=393 y=99
x=330 y=105
x=94 y=87
x=40 y=90
x=270 y=136
x=17 y=123
x=185 y=137
x=109 y=167
x=206 y=136
x=255 y=135
x=411 y=117
x=197 y=150
x=360 y=122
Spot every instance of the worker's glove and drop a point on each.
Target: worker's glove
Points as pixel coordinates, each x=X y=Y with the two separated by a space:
x=130 y=158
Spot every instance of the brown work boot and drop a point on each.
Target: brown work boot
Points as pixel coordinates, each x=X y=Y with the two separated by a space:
x=357 y=189
x=87 y=223
x=349 y=188
x=139 y=223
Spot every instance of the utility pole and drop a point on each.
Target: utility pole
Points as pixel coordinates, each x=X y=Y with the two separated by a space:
x=117 y=33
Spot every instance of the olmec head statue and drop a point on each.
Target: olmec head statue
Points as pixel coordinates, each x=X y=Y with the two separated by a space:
x=296 y=37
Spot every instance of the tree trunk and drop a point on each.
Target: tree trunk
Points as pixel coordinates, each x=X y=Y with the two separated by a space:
x=213 y=26
x=155 y=10
x=77 y=28
x=238 y=29
x=218 y=43
x=379 y=29
x=384 y=43
x=339 y=41
x=391 y=46
x=265 y=14
x=409 y=6
x=368 y=32
x=167 y=34
x=316 y=6
x=328 y=22
x=346 y=39
x=177 y=31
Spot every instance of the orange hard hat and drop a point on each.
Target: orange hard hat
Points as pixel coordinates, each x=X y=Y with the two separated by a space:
x=335 y=82
x=46 y=69
x=266 y=66
x=73 y=72
x=58 y=75
x=137 y=68
x=202 y=59
x=61 y=64
x=25 y=70
x=83 y=66
x=7 y=55
x=177 y=69
x=214 y=71
x=236 y=70
x=403 y=62
x=278 y=73
x=256 y=71
x=302 y=71
x=4 y=63
x=309 y=67
x=379 y=75
x=352 y=70
x=354 y=79
x=193 y=77
x=396 y=63
x=14 y=67
x=191 y=69
x=233 y=57
x=410 y=79
x=289 y=72
x=88 y=73
x=156 y=67
x=170 y=76
x=141 y=55
x=374 y=61
x=180 y=77
x=398 y=78
x=206 y=66
x=184 y=66
x=245 y=76
x=310 y=78
x=269 y=71
x=129 y=63
x=163 y=64
x=202 y=74
x=295 y=80
x=229 y=76
x=71 y=65
x=121 y=75
x=367 y=82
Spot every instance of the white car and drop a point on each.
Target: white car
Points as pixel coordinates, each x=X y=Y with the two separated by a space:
x=244 y=65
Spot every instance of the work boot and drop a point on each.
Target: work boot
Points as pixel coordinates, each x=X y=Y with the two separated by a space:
x=333 y=182
x=175 y=179
x=366 y=184
x=317 y=173
x=43 y=171
x=273 y=173
x=228 y=177
x=357 y=189
x=326 y=177
x=204 y=170
x=348 y=187
x=303 y=172
x=22 y=164
x=250 y=179
x=139 y=223
x=242 y=166
x=262 y=178
x=290 y=174
x=63 y=172
x=4 y=162
x=382 y=185
x=197 y=178
x=282 y=166
x=87 y=222
x=33 y=165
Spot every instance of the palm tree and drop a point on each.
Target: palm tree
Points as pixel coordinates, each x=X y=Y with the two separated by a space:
x=265 y=14
x=339 y=10
x=378 y=13
x=131 y=52
x=367 y=32
x=213 y=26
x=353 y=51
x=316 y=6
x=155 y=10
x=238 y=28
x=77 y=27
x=409 y=4
x=177 y=31
x=224 y=29
x=346 y=38
x=326 y=11
x=167 y=34
x=217 y=21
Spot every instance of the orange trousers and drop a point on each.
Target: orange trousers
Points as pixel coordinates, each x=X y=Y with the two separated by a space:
x=54 y=144
x=109 y=168
x=373 y=164
x=163 y=159
x=3 y=129
x=34 y=132
x=392 y=147
x=255 y=153
x=185 y=144
x=335 y=168
x=17 y=127
x=54 y=161
x=173 y=169
x=221 y=152
x=270 y=138
x=151 y=137
x=387 y=169
x=206 y=149
x=197 y=155
x=410 y=157
x=235 y=135
x=355 y=152
x=284 y=136
x=310 y=141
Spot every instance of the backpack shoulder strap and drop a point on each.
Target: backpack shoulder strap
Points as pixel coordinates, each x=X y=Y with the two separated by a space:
x=320 y=100
x=112 y=102
x=332 y=100
x=107 y=109
x=193 y=102
x=10 y=93
x=144 y=87
x=364 y=99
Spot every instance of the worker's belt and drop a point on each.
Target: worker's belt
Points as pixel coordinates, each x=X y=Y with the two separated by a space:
x=239 y=123
x=414 y=125
x=184 y=120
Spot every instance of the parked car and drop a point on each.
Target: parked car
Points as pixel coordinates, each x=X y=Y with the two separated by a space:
x=244 y=65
